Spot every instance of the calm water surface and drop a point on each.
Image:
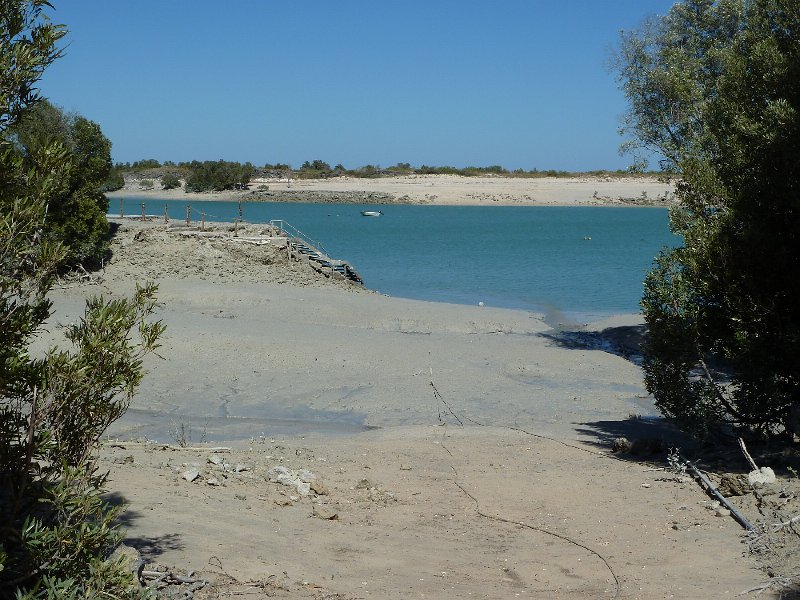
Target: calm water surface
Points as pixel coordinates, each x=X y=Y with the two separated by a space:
x=569 y=262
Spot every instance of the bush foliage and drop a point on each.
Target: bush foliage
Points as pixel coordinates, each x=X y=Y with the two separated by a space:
x=715 y=88
x=114 y=181
x=218 y=175
x=76 y=211
x=222 y=175
x=57 y=531
x=170 y=181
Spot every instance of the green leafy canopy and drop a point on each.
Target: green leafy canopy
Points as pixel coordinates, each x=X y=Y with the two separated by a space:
x=57 y=531
x=714 y=86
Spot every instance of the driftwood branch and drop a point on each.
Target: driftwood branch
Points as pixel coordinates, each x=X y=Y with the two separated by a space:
x=775 y=583
x=779 y=526
x=718 y=392
x=721 y=395
x=776 y=527
x=749 y=458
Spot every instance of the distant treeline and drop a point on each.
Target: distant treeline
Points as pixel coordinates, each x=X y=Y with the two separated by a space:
x=223 y=175
x=198 y=176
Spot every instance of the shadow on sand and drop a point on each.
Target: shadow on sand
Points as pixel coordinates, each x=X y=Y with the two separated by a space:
x=651 y=438
x=625 y=341
x=150 y=547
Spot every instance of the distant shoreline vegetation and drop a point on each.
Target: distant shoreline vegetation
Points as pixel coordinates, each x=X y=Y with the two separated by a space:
x=224 y=175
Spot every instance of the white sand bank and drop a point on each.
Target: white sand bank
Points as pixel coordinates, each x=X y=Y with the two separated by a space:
x=452 y=190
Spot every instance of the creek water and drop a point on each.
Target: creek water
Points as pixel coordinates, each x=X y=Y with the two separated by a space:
x=570 y=263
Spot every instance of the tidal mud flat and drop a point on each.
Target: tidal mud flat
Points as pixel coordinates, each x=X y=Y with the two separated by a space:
x=454 y=451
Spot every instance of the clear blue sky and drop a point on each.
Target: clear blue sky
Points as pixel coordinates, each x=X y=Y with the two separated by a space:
x=520 y=83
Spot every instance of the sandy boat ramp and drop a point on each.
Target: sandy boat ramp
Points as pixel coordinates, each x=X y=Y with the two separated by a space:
x=302 y=438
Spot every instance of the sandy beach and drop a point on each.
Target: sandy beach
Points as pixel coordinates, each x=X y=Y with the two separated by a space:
x=376 y=447
x=436 y=189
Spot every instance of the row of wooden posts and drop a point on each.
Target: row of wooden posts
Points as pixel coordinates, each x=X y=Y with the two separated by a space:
x=188 y=215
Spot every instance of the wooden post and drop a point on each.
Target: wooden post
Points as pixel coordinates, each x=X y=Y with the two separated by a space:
x=143 y=213
x=236 y=228
x=121 y=208
x=203 y=220
x=166 y=216
x=188 y=215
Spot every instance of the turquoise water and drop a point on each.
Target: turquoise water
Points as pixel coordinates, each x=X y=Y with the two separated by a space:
x=568 y=262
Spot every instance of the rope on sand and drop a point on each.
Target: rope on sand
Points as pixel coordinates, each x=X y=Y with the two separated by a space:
x=618 y=587
x=481 y=513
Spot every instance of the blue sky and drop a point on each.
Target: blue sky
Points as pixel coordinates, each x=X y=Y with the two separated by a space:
x=518 y=83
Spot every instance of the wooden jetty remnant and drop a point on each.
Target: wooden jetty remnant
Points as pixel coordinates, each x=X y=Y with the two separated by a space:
x=300 y=245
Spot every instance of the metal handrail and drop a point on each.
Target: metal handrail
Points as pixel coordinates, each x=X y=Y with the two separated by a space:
x=290 y=230
x=294 y=237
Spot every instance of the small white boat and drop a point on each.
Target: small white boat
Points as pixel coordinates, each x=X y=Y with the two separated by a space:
x=371 y=213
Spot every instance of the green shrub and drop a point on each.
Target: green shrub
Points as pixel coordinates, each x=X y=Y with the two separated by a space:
x=76 y=216
x=715 y=87
x=114 y=181
x=57 y=531
x=170 y=181
x=218 y=176
x=53 y=410
x=148 y=163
